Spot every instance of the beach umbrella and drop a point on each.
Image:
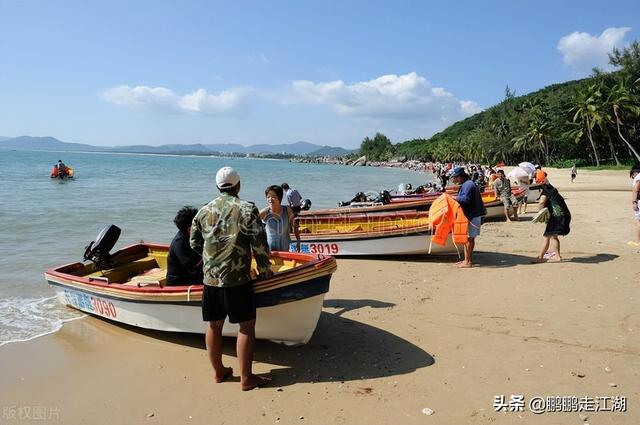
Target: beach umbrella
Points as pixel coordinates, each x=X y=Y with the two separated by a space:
x=528 y=167
x=517 y=173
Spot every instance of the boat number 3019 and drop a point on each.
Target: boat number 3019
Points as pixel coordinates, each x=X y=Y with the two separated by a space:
x=317 y=248
x=91 y=304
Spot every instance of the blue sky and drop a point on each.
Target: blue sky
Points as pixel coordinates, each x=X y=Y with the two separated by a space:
x=325 y=72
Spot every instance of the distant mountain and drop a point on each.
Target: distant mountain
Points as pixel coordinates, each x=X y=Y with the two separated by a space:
x=46 y=144
x=4 y=138
x=331 y=151
x=53 y=144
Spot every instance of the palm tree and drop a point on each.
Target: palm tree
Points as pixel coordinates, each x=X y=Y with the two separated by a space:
x=524 y=144
x=536 y=136
x=586 y=112
x=621 y=102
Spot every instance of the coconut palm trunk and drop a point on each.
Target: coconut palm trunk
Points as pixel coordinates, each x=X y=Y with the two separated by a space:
x=615 y=111
x=613 y=150
x=593 y=145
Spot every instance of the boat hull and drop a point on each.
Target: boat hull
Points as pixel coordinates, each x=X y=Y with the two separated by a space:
x=415 y=243
x=290 y=323
x=369 y=234
x=288 y=305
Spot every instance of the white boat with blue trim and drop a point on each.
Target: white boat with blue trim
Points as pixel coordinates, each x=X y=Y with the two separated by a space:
x=129 y=288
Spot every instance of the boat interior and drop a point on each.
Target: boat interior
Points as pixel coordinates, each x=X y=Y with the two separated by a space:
x=361 y=223
x=146 y=265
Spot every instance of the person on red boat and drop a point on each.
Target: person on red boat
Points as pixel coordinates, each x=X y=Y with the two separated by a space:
x=184 y=265
x=62 y=169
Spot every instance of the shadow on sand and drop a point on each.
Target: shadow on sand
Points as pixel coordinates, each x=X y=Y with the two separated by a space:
x=341 y=349
x=500 y=259
x=502 y=219
x=348 y=305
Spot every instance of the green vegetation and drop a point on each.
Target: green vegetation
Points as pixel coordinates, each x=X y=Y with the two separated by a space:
x=585 y=122
x=377 y=149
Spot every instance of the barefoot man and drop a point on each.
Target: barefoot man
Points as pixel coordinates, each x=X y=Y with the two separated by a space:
x=471 y=201
x=227 y=231
x=502 y=189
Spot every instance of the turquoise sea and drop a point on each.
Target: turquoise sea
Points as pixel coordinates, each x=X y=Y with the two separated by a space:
x=47 y=222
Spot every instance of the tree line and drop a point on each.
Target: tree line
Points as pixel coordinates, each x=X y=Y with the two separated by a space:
x=591 y=121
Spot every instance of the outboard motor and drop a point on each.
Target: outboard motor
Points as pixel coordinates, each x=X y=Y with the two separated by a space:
x=385 y=197
x=305 y=205
x=360 y=197
x=98 y=250
x=372 y=196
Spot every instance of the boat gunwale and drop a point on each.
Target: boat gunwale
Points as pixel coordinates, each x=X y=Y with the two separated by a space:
x=319 y=263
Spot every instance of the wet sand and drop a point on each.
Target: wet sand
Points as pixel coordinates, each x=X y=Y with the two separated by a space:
x=397 y=335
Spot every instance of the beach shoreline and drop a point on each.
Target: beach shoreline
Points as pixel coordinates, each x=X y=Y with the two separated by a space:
x=396 y=336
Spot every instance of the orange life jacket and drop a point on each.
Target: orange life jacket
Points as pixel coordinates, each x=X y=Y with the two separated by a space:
x=446 y=216
x=54 y=171
x=540 y=176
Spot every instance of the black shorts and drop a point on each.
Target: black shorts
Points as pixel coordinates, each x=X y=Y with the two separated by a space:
x=236 y=302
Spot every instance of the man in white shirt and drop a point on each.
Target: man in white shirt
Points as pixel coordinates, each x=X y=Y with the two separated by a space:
x=293 y=198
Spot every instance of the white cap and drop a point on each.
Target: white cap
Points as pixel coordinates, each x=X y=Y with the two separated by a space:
x=227 y=177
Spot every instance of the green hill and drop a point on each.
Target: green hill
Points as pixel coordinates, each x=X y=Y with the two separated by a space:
x=585 y=121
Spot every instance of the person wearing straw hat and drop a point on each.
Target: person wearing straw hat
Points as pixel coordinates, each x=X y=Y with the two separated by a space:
x=228 y=232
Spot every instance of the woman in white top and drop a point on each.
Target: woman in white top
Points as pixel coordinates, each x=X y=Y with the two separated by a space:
x=635 y=199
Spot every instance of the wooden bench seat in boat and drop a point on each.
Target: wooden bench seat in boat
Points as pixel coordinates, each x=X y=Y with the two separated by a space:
x=156 y=276
x=125 y=272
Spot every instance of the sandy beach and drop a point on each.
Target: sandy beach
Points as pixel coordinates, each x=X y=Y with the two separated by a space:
x=397 y=335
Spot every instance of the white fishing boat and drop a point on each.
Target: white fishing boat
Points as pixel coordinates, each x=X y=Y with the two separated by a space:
x=129 y=288
x=369 y=234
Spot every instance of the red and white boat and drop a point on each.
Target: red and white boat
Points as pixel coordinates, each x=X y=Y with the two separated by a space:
x=130 y=289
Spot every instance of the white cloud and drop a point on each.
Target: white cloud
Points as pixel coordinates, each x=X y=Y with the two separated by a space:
x=469 y=107
x=163 y=100
x=258 y=59
x=585 y=51
x=407 y=96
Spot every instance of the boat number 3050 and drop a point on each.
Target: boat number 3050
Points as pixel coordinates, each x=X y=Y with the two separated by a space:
x=317 y=248
x=90 y=303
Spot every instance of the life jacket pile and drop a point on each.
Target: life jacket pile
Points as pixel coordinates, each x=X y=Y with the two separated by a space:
x=446 y=216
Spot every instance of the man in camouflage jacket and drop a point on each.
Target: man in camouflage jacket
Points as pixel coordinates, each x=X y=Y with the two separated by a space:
x=228 y=232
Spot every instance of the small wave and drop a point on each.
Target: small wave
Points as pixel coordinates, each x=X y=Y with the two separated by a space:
x=24 y=319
